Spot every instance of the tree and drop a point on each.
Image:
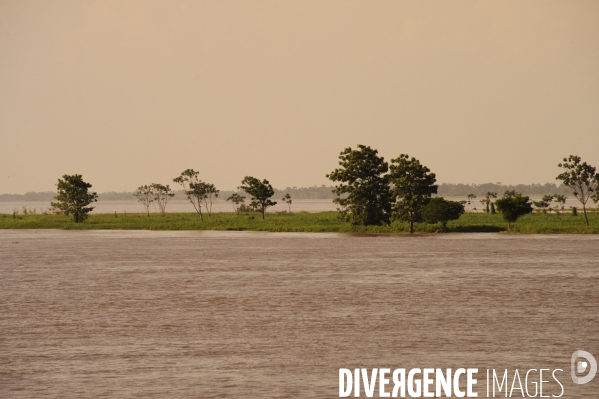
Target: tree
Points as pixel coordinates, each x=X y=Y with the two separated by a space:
x=512 y=206
x=363 y=195
x=413 y=185
x=194 y=188
x=544 y=203
x=260 y=193
x=487 y=200
x=287 y=199
x=162 y=194
x=471 y=198
x=439 y=209
x=211 y=194
x=548 y=199
x=595 y=197
x=581 y=179
x=561 y=200
x=145 y=195
x=73 y=197
x=237 y=200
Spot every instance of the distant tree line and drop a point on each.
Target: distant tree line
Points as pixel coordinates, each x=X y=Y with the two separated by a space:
x=28 y=196
x=480 y=190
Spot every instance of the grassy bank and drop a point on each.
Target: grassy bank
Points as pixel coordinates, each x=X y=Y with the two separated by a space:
x=299 y=222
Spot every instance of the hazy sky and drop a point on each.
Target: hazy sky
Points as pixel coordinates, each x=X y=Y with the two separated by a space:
x=133 y=92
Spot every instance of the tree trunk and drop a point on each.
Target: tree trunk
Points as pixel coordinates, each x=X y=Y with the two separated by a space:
x=263 y=213
x=584 y=210
x=411 y=226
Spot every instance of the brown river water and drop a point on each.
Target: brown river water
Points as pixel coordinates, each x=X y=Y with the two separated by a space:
x=125 y=314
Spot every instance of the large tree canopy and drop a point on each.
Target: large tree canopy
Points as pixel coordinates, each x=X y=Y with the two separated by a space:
x=413 y=184
x=363 y=193
x=73 y=197
x=512 y=206
x=439 y=210
x=260 y=193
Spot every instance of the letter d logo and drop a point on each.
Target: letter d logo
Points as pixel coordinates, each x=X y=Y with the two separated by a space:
x=581 y=366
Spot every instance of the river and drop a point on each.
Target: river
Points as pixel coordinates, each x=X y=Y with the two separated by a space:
x=145 y=314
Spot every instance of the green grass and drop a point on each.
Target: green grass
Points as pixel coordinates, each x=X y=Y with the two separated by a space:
x=300 y=222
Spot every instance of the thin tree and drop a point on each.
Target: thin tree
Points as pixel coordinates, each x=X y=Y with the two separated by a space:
x=471 y=198
x=260 y=193
x=162 y=194
x=595 y=197
x=548 y=199
x=145 y=196
x=544 y=203
x=581 y=179
x=194 y=189
x=561 y=200
x=236 y=200
x=487 y=200
x=74 y=197
x=287 y=199
x=413 y=185
x=211 y=194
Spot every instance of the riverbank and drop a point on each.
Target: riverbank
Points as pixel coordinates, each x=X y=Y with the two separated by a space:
x=300 y=222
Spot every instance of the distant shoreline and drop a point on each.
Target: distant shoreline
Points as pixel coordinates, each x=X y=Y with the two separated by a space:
x=324 y=192
x=184 y=206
